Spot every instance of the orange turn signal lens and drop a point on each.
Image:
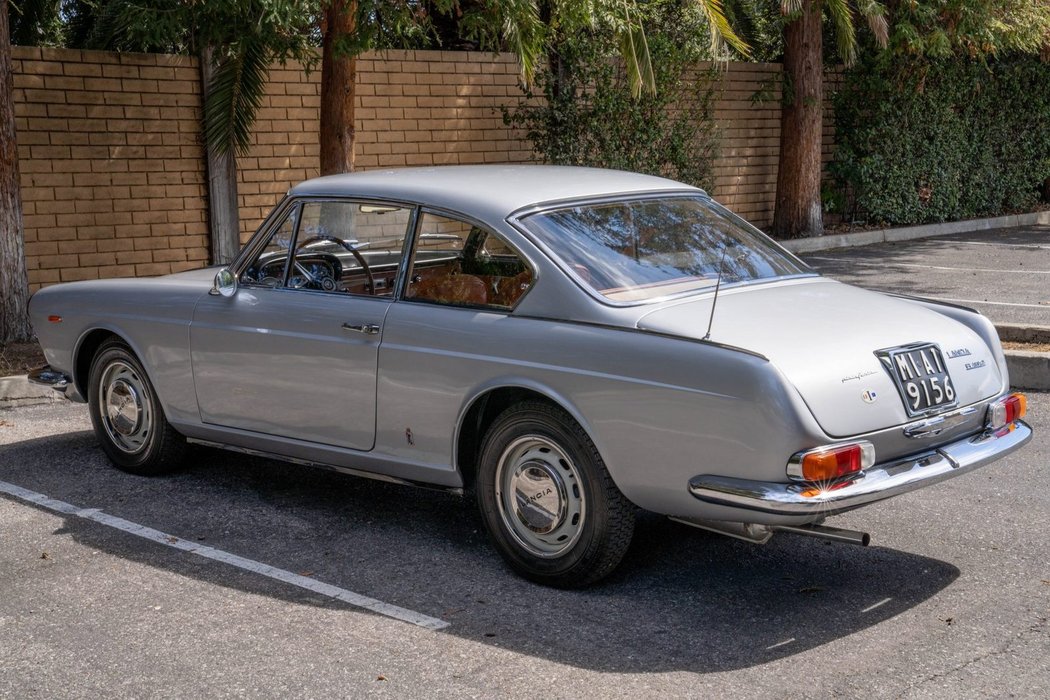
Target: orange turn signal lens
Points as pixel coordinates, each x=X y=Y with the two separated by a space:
x=832 y=462
x=1006 y=410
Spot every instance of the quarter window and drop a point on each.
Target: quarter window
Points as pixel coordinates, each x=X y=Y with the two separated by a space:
x=457 y=263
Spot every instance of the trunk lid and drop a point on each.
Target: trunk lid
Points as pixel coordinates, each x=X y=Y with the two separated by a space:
x=823 y=335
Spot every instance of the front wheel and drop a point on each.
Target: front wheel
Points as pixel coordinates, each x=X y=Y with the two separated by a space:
x=550 y=506
x=127 y=416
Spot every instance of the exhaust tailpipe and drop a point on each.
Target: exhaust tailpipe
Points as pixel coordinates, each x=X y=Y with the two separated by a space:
x=828 y=533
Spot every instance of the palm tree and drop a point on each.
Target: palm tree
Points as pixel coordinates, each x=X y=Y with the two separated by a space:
x=798 y=211
x=14 y=301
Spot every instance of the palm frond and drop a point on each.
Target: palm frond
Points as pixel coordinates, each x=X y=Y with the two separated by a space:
x=845 y=33
x=638 y=61
x=235 y=94
x=523 y=33
x=875 y=13
x=721 y=31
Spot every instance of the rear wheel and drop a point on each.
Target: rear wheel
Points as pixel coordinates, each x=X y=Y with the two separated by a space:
x=126 y=415
x=550 y=506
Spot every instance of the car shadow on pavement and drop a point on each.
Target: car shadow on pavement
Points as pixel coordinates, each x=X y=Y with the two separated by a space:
x=683 y=600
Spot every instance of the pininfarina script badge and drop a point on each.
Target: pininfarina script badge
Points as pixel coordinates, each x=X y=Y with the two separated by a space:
x=858 y=375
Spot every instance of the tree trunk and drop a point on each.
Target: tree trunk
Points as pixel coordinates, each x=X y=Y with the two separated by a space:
x=14 y=293
x=223 y=214
x=338 y=81
x=798 y=210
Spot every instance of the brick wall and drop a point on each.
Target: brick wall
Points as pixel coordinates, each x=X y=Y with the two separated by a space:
x=414 y=108
x=113 y=171
x=112 y=168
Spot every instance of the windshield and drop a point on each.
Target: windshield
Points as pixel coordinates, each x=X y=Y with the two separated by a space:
x=640 y=249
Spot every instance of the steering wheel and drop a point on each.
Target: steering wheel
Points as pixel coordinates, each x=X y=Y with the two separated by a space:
x=346 y=246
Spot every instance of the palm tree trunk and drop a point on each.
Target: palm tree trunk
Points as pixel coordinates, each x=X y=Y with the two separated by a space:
x=798 y=210
x=223 y=214
x=338 y=82
x=14 y=295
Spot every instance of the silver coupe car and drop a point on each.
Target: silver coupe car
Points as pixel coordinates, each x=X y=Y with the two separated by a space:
x=568 y=344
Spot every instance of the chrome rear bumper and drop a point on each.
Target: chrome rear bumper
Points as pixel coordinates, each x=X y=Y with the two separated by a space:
x=880 y=482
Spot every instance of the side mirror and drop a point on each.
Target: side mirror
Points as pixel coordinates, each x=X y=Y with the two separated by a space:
x=225 y=283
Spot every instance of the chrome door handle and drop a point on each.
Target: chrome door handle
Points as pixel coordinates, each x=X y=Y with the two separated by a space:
x=366 y=328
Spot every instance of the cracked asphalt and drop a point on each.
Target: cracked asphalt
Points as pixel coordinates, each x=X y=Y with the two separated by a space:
x=951 y=600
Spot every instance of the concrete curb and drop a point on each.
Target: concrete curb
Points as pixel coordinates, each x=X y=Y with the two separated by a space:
x=1029 y=370
x=17 y=391
x=908 y=233
x=1023 y=333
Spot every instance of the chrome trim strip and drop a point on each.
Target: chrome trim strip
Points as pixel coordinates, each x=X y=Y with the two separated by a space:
x=881 y=482
x=375 y=476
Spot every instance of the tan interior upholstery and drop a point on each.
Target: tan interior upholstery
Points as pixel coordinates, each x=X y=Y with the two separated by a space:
x=452 y=289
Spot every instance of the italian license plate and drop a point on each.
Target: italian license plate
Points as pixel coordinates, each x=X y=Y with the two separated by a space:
x=921 y=377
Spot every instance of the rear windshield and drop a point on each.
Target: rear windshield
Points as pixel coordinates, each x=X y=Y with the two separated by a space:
x=641 y=249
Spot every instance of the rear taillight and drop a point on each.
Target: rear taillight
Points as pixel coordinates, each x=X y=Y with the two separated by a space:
x=1006 y=410
x=832 y=462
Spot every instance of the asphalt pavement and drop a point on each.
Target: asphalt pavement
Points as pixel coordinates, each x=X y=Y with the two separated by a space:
x=1004 y=274
x=118 y=596
x=244 y=577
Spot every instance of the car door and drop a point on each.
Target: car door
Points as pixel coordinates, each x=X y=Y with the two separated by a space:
x=294 y=351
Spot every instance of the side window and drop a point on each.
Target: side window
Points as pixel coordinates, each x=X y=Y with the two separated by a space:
x=349 y=247
x=459 y=264
x=267 y=269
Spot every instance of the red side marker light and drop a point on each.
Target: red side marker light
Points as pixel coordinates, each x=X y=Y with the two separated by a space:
x=54 y=319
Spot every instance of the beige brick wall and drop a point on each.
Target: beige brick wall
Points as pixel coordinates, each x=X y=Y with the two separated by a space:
x=113 y=171
x=413 y=108
x=112 y=168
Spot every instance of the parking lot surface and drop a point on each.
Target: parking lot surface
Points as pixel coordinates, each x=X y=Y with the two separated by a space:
x=1004 y=274
x=118 y=596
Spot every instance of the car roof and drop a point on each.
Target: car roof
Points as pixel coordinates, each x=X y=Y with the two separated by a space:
x=493 y=191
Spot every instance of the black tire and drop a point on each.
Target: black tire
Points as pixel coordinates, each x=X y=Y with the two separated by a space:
x=550 y=506
x=127 y=416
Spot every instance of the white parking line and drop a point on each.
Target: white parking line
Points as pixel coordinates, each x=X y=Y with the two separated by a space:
x=780 y=644
x=1044 y=307
x=877 y=605
x=254 y=567
x=1005 y=245
x=865 y=263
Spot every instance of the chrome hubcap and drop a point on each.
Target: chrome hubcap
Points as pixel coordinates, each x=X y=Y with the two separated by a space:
x=539 y=495
x=124 y=407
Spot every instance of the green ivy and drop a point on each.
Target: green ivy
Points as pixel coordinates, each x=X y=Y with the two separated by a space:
x=581 y=112
x=921 y=142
